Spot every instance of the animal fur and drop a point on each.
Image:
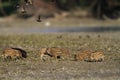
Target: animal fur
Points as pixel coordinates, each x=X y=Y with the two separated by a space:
x=55 y=52
x=11 y=53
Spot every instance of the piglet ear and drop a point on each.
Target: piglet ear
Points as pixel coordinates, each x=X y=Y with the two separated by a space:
x=28 y=2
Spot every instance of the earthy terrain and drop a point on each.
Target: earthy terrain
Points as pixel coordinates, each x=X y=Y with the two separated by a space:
x=24 y=35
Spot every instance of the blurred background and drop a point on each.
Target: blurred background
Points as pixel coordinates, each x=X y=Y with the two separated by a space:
x=60 y=13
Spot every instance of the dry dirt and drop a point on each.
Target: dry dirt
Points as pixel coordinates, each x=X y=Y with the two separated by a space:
x=32 y=68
